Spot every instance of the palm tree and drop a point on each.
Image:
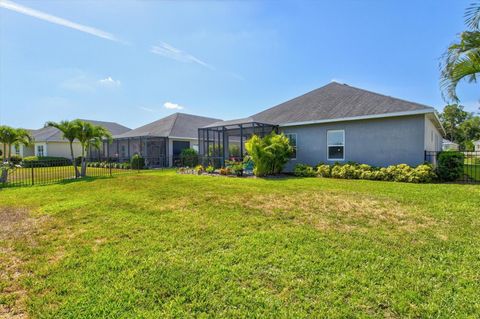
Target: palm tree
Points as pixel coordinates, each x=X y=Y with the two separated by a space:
x=4 y=132
x=90 y=135
x=70 y=131
x=462 y=59
x=12 y=136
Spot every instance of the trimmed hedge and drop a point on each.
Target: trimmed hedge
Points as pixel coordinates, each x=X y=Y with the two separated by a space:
x=45 y=161
x=424 y=173
x=450 y=165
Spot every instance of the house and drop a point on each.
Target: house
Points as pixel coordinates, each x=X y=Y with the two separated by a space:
x=337 y=123
x=159 y=142
x=477 y=146
x=448 y=145
x=49 y=141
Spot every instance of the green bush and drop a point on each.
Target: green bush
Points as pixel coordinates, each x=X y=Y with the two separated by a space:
x=189 y=157
x=324 y=170
x=45 y=161
x=15 y=159
x=137 y=162
x=210 y=169
x=450 y=165
x=304 y=170
x=269 y=154
x=347 y=171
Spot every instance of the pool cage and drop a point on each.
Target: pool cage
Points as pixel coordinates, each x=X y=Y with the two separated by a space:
x=153 y=149
x=217 y=144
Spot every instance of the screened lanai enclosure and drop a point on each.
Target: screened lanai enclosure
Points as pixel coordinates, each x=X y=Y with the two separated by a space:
x=226 y=141
x=153 y=149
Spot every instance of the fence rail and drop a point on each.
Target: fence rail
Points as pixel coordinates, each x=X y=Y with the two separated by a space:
x=471 y=165
x=48 y=172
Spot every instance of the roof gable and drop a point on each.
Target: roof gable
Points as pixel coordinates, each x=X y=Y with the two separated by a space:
x=335 y=101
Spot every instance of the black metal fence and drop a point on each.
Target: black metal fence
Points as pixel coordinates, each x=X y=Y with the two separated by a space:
x=48 y=172
x=471 y=165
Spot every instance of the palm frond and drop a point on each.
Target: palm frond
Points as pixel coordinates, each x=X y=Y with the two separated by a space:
x=472 y=16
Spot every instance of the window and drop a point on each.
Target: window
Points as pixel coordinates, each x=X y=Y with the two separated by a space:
x=336 y=145
x=17 y=150
x=123 y=151
x=40 y=151
x=292 y=137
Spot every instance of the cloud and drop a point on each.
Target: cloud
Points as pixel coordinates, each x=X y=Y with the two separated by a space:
x=168 y=51
x=6 y=4
x=172 y=106
x=109 y=82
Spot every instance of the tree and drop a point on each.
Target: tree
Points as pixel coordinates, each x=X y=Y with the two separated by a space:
x=9 y=137
x=461 y=61
x=452 y=117
x=89 y=135
x=70 y=132
x=270 y=154
x=4 y=133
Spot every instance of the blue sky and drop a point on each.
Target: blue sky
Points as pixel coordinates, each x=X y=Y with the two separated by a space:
x=136 y=61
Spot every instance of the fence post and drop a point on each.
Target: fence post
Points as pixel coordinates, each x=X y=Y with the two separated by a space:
x=33 y=174
x=110 y=165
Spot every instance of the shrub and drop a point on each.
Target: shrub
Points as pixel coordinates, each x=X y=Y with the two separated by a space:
x=324 y=170
x=450 y=165
x=269 y=154
x=423 y=174
x=199 y=169
x=225 y=171
x=45 y=161
x=189 y=157
x=137 y=162
x=304 y=170
x=235 y=167
x=210 y=169
x=348 y=171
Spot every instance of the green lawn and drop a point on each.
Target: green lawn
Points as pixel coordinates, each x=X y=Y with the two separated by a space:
x=158 y=244
x=473 y=171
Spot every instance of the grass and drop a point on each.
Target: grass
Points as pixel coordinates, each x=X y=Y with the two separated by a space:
x=472 y=171
x=160 y=244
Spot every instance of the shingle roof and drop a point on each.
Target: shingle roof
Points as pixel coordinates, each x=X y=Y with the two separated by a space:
x=330 y=102
x=51 y=134
x=335 y=101
x=175 y=125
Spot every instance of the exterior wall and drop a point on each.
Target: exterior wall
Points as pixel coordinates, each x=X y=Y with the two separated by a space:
x=24 y=150
x=193 y=144
x=477 y=146
x=59 y=149
x=378 y=142
x=433 y=137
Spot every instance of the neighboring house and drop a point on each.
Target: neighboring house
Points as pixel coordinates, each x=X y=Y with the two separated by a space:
x=448 y=145
x=159 y=142
x=49 y=141
x=338 y=123
x=477 y=145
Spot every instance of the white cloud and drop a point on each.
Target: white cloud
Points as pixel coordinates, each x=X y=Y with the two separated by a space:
x=168 y=51
x=172 y=106
x=109 y=82
x=6 y=4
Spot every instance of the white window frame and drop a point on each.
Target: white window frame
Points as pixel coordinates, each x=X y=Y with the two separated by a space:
x=296 y=144
x=38 y=151
x=328 y=145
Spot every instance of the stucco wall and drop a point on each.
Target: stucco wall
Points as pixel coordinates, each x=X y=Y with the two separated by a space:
x=59 y=149
x=433 y=138
x=378 y=142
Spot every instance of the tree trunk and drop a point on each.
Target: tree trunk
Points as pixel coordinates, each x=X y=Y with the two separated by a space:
x=4 y=155
x=4 y=175
x=9 y=147
x=74 y=162
x=84 y=164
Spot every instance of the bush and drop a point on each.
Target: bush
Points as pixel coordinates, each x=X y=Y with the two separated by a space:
x=347 y=171
x=450 y=165
x=199 y=169
x=137 y=162
x=235 y=167
x=269 y=154
x=45 y=161
x=15 y=159
x=324 y=170
x=210 y=169
x=225 y=171
x=189 y=157
x=304 y=170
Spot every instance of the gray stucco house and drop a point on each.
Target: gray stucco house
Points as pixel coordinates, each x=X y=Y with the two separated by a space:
x=337 y=123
